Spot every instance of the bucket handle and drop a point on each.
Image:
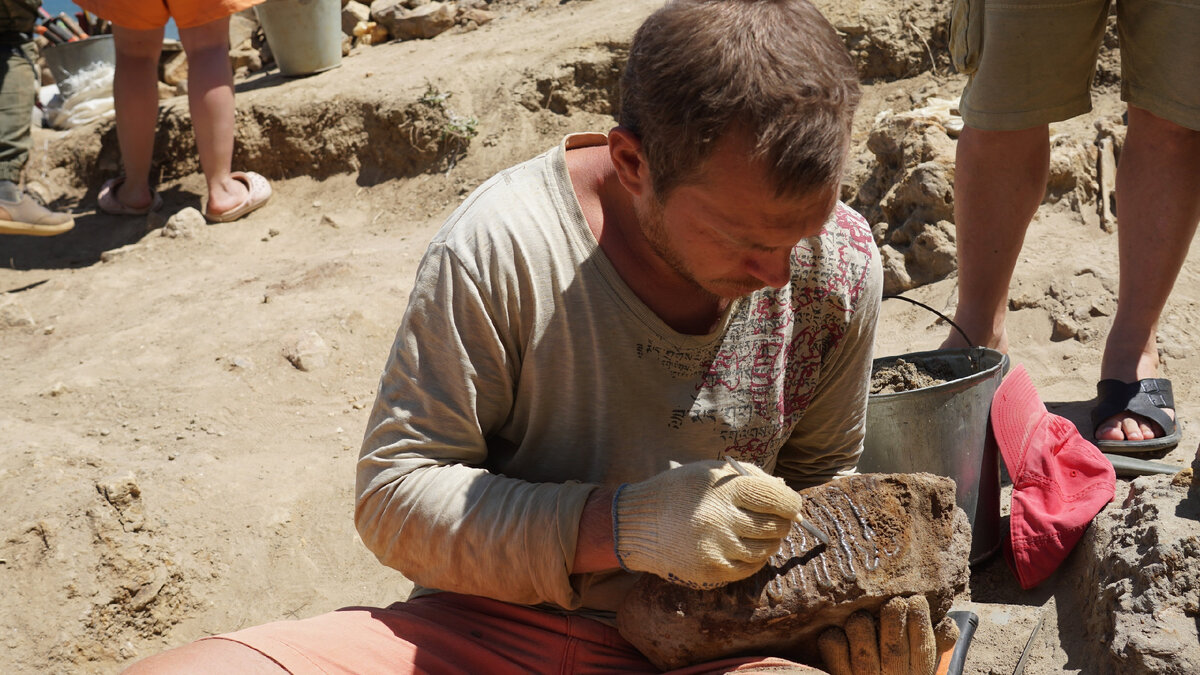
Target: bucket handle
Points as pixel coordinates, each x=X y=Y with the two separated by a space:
x=972 y=356
x=943 y=317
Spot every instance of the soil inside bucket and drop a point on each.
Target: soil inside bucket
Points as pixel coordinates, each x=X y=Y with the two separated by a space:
x=901 y=375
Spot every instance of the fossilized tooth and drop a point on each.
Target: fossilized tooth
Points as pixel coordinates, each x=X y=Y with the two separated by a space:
x=890 y=534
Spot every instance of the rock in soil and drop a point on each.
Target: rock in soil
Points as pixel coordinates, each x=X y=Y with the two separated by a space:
x=1137 y=582
x=890 y=535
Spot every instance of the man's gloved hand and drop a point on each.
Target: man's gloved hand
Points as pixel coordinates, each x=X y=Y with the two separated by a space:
x=702 y=524
x=905 y=643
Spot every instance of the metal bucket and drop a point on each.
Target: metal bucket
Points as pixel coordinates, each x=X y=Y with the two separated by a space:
x=944 y=430
x=305 y=36
x=69 y=58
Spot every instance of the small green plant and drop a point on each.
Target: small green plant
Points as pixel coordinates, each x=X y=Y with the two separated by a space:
x=457 y=130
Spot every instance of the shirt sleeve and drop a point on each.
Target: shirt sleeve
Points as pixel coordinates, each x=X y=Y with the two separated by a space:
x=828 y=440
x=424 y=504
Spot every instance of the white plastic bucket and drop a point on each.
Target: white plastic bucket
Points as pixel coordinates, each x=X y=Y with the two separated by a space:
x=943 y=430
x=71 y=57
x=305 y=36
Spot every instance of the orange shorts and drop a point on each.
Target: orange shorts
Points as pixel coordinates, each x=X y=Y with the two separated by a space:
x=151 y=14
x=454 y=634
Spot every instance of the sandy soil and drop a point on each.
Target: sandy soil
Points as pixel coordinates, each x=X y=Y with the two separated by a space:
x=167 y=473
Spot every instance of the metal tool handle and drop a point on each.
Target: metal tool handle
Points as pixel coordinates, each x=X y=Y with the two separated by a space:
x=967 y=623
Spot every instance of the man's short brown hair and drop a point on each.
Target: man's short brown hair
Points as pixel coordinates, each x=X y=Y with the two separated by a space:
x=773 y=69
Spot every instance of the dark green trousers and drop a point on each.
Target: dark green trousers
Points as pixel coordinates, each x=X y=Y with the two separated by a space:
x=18 y=92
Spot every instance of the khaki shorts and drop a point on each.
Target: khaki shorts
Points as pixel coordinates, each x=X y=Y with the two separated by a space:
x=151 y=14
x=1031 y=62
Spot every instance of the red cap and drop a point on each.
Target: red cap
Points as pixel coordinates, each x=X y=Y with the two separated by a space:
x=1060 y=481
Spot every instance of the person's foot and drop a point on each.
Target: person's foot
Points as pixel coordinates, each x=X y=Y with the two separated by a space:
x=25 y=216
x=1129 y=427
x=226 y=195
x=134 y=199
x=250 y=190
x=1126 y=426
x=116 y=198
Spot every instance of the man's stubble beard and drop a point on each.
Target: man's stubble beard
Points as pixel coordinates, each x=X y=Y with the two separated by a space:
x=655 y=231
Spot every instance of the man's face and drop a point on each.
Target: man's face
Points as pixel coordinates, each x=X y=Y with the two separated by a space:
x=726 y=231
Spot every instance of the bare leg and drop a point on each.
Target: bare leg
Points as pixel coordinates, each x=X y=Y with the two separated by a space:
x=135 y=94
x=1158 y=207
x=208 y=656
x=210 y=98
x=999 y=181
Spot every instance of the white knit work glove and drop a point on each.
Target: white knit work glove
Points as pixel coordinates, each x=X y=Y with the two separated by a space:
x=702 y=524
x=905 y=643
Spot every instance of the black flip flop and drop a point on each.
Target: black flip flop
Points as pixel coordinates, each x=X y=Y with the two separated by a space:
x=1146 y=398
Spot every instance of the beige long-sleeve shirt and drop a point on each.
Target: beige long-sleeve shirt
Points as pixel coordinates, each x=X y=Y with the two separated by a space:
x=525 y=373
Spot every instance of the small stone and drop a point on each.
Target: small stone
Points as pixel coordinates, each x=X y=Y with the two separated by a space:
x=247 y=58
x=184 y=224
x=1024 y=301
x=352 y=13
x=370 y=33
x=426 y=21
x=308 y=353
x=895 y=271
x=124 y=495
x=933 y=252
x=1067 y=328
x=242 y=26
x=477 y=16
x=1103 y=306
x=48 y=330
x=173 y=67
x=13 y=314
x=40 y=191
x=115 y=254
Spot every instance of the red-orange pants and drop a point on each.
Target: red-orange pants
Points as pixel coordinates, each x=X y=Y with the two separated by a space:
x=149 y=14
x=448 y=633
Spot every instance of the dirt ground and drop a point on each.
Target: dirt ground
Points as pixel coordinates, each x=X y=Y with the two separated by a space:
x=167 y=472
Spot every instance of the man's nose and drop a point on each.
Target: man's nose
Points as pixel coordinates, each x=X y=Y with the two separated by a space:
x=772 y=268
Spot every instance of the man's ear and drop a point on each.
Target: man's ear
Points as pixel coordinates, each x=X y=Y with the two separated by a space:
x=625 y=151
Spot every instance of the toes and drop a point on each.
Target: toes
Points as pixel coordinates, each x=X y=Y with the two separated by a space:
x=1132 y=429
x=1129 y=428
x=1110 y=430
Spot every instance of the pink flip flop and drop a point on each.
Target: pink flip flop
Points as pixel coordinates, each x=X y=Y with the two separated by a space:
x=109 y=203
x=258 y=192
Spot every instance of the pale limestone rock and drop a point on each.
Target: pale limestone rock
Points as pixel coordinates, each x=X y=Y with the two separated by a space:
x=1134 y=580
x=307 y=353
x=352 y=13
